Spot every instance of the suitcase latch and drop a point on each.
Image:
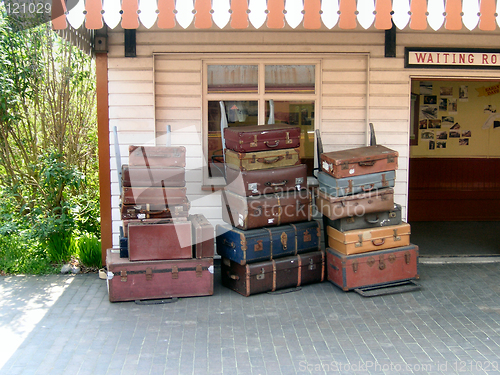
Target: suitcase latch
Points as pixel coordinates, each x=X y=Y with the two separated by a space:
x=370 y=262
x=381 y=265
x=149 y=274
x=360 y=241
x=123 y=275
x=254 y=143
x=349 y=188
x=355 y=266
x=392 y=215
x=396 y=237
x=288 y=140
x=284 y=239
x=259 y=246
x=407 y=257
x=261 y=275
x=311 y=266
x=345 y=165
x=390 y=159
x=392 y=258
x=307 y=236
x=175 y=272
x=199 y=270
x=384 y=180
x=349 y=220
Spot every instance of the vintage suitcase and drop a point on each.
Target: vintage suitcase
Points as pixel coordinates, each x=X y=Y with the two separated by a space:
x=203 y=237
x=266 y=181
x=371 y=220
x=339 y=187
x=157 y=156
x=255 y=245
x=373 y=268
x=160 y=241
x=266 y=210
x=155 y=211
x=143 y=280
x=358 y=161
x=356 y=204
x=370 y=239
x=153 y=195
x=153 y=176
x=148 y=221
x=273 y=274
x=250 y=161
x=261 y=137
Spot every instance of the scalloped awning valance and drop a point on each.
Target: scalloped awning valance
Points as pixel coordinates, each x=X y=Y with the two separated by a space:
x=275 y=14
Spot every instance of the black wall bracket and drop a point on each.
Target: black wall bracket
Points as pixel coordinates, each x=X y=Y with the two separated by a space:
x=390 y=41
x=130 y=43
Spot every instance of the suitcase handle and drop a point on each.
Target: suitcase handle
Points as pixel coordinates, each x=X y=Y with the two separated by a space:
x=366 y=163
x=234 y=277
x=272 y=146
x=270 y=161
x=273 y=184
x=372 y=221
x=382 y=241
x=369 y=188
x=227 y=243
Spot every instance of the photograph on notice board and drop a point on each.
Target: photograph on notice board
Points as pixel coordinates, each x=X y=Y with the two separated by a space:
x=447 y=120
x=434 y=124
x=443 y=104
x=454 y=134
x=428 y=112
x=430 y=99
x=425 y=88
x=463 y=142
x=463 y=93
x=432 y=145
x=446 y=92
x=441 y=135
x=452 y=106
x=422 y=124
x=441 y=145
x=427 y=135
x=455 y=126
x=466 y=133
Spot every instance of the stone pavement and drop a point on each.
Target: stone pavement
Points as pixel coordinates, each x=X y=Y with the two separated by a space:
x=65 y=325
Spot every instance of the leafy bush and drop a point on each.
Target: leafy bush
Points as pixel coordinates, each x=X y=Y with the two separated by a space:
x=88 y=250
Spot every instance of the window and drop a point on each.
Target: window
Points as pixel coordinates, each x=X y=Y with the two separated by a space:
x=257 y=93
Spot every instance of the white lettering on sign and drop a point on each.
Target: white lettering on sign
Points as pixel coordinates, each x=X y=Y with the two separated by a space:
x=462 y=59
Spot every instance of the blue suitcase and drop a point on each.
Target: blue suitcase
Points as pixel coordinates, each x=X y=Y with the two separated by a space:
x=339 y=187
x=261 y=244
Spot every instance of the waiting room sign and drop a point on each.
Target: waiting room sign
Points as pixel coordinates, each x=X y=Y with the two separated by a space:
x=452 y=58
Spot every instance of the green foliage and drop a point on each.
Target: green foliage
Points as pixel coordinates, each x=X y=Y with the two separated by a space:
x=88 y=250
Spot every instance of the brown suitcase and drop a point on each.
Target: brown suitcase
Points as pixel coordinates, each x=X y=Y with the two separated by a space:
x=160 y=241
x=369 y=239
x=359 y=161
x=355 y=205
x=266 y=210
x=154 y=211
x=275 y=274
x=153 y=176
x=148 y=221
x=131 y=281
x=250 y=161
x=373 y=268
x=157 y=156
x=267 y=181
x=261 y=137
x=153 y=195
x=203 y=237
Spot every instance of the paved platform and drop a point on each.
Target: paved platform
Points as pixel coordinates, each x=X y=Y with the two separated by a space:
x=65 y=325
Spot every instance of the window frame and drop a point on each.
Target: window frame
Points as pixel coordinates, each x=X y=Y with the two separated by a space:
x=261 y=96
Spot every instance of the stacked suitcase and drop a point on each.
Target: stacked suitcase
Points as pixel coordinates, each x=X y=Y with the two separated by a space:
x=367 y=242
x=164 y=251
x=270 y=241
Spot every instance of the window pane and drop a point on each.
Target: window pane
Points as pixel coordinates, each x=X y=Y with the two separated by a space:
x=299 y=113
x=232 y=78
x=290 y=78
x=237 y=113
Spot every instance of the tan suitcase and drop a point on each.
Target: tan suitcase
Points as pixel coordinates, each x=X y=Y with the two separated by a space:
x=249 y=161
x=370 y=239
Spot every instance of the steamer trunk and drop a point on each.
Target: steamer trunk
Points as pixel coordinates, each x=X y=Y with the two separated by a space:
x=261 y=137
x=249 y=161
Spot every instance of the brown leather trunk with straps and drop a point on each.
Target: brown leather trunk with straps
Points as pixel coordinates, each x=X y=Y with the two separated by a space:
x=272 y=275
x=261 y=137
x=249 y=161
x=153 y=195
x=154 y=211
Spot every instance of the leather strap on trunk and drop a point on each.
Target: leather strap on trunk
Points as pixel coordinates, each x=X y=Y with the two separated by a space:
x=299 y=270
x=274 y=275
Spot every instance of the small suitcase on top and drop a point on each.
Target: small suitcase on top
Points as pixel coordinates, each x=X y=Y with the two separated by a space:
x=339 y=187
x=260 y=244
x=261 y=137
x=153 y=176
x=266 y=181
x=249 y=161
x=359 y=161
x=370 y=220
x=157 y=156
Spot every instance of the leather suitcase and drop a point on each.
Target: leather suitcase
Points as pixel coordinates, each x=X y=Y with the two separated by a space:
x=373 y=268
x=358 y=161
x=160 y=241
x=266 y=181
x=338 y=187
x=250 y=161
x=370 y=239
x=154 y=195
x=371 y=220
x=157 y=156
x=153 y=176
x=203 y=237
x=147 y=221
x=356 y=204
x=256 y=245
x=275 y=274
x=266 y=210
x=154 y=211
x=261 y=137
x=131 y=281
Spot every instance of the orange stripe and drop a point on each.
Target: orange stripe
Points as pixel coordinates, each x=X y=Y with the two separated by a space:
x=239 y=15
x=93 y=18
x=58 y=15
x=487 y=18
x=275 y=15
x=130 y=18
x=347 y=10
x=202 y=17
x=418 y=19
x=312 y=17
x=166 y=17
x=383 y=15
x=453 y=18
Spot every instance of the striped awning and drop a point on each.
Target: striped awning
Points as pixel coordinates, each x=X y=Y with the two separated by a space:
x=276 y=14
